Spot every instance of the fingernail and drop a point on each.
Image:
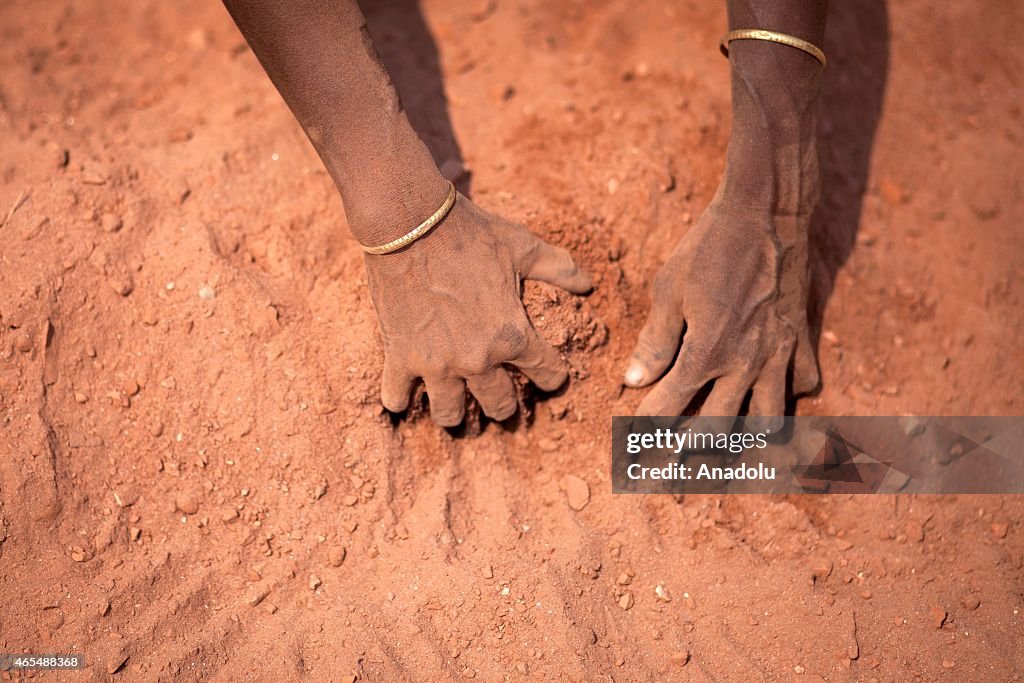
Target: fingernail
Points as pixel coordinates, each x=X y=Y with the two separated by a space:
x=635 y=373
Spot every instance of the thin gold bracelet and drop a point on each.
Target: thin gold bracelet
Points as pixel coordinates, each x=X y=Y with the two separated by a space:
x=420 y=230
x=772 y=37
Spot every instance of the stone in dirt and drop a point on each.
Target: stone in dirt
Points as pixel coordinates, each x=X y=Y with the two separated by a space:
x=111 y=222
x=187 y=502
x=117 y=663
x=821 y=569
x=937 y=616
x=891 y=192
x=129 y=387
x=256 y=596
x=577 y=492
x=336 y=555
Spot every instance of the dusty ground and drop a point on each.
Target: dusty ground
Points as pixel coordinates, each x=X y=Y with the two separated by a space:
x=196 y=478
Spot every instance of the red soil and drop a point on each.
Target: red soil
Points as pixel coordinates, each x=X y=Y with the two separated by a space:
x=196 y=477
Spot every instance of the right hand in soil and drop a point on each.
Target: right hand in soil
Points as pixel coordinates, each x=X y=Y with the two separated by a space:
x=450 y=313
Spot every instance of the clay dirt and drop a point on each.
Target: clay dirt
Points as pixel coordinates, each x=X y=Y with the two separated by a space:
x=198 y=481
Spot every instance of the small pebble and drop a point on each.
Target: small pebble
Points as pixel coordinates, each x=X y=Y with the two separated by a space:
x=121 y=282
x=891 y=192
x=111 y=222
x=547 y=445
x=821 y=569
x=116 y=663
x=336 y=555
x=256 y=596
x=24 y=342
x=576 y=491
x=187 y=502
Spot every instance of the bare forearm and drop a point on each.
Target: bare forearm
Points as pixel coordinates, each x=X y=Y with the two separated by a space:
x=321 y=59
x=772 y=157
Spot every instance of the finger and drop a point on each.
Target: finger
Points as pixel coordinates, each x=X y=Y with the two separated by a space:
x=547 y=263
x=659 y=339
x=675 y=391
x=447 y=400
x=495 y=393
x=726 y=396
x=395 y=386
x=769 y=397
x=541 y=363
x=806 y=376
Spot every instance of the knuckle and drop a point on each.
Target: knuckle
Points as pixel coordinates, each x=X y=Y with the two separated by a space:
x=525 y=243
x=475 y=363
x=512 y=338
x=699 y=359
x=649 y=347
x=563 y=259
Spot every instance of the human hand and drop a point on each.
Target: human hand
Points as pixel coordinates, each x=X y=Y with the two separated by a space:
x=450 y=313
x=733 y=285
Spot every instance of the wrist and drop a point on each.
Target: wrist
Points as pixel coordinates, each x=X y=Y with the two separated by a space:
x=390 y=204
x=387 y=179
x=777 y=175
x=772 y=159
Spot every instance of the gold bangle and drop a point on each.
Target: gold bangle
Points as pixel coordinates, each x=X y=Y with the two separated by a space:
x=772 y=37
x=420 y=230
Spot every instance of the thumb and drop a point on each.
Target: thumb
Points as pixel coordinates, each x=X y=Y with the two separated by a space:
x=658 y=343
x=547 y=263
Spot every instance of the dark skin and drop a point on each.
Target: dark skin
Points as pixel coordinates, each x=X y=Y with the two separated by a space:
x=449 y=304
x=737 y=281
